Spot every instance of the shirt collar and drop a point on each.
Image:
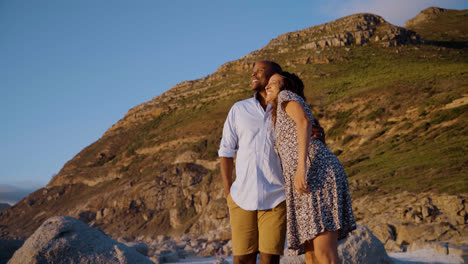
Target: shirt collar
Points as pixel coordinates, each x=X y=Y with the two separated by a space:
x=267 y=110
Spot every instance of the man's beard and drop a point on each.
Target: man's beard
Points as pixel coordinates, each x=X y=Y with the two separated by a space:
x=259 y=89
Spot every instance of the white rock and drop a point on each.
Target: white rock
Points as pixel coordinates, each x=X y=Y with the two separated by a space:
x=361 y=246
x=64 y=239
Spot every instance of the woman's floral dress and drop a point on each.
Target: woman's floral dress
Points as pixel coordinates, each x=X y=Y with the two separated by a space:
x=328 y=205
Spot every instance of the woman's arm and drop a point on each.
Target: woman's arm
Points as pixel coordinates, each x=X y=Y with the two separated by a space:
x=304 y=128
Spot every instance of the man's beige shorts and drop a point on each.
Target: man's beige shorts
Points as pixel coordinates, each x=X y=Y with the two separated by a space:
x=253 y=231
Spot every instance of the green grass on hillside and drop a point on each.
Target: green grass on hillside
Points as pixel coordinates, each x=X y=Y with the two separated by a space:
x=447 y=28
x=390 y=81
x=428 y=158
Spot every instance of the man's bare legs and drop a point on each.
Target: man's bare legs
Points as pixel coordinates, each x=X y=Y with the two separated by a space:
x=269 y=258
x=246 y=259
x=252 y=258
x=324 y=248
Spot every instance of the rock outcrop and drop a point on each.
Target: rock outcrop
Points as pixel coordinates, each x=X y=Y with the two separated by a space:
x=353 y=30
x=64 y=239
x=357 y=29
x=399 y=220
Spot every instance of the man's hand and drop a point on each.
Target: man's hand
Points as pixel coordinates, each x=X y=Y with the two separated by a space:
x=227 y=164
x=318 y=132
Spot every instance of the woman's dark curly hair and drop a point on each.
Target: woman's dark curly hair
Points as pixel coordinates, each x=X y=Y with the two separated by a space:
x=290 y=83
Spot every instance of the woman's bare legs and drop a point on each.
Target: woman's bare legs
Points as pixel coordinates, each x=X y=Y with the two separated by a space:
x=324 y=248
x=309 y=253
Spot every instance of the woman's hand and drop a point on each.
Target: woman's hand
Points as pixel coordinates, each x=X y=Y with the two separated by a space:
x=300 y=182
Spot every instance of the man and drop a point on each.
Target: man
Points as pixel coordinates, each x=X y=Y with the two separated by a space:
x=256 y=199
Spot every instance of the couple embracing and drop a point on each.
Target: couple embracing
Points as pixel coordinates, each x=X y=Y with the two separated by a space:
x=288 y=183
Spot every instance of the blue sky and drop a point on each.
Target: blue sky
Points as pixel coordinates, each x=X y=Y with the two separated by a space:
x=71 y=69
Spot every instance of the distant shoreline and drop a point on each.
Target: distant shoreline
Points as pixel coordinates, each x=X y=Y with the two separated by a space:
x=11 y=194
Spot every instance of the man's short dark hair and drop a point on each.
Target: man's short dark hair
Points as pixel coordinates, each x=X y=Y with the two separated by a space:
x=275 y=67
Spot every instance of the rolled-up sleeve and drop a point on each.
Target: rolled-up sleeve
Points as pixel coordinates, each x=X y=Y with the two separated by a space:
x=228 y=146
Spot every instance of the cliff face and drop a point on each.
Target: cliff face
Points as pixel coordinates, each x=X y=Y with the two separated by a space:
x=393 y=107
x=351 y=30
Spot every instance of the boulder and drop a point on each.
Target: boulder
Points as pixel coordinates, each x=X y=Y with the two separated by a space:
x=169 y=257
x=161 y=238
x=138 y=246
x=227 y=248
x=209 y=251
x=220 y=260
x=64 y=239
x=361 y=246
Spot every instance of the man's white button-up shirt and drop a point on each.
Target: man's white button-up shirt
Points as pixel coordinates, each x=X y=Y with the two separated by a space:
x=248 y=132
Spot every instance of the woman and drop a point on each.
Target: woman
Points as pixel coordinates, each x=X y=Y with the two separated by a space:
x=319 y=211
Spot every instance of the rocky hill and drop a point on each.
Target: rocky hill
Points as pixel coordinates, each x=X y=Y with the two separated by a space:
x=394 y=107
x=441 y=26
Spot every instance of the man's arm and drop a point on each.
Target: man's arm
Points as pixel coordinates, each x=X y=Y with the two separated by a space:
x=227 y=164
x=317 y=131
x=227 y=150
